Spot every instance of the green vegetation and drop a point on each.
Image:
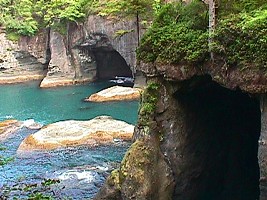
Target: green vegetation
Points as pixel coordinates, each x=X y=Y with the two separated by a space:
x=149 y=103
x=241 y=39
x=125 y=8
x=120 y=33
x=178 y=34
x=26 y=17
x=4 y=160
x=138 y=157
x=27 y=190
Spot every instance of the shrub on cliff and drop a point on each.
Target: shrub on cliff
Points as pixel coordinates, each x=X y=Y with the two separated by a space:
x=178 y=34
x=241 y=39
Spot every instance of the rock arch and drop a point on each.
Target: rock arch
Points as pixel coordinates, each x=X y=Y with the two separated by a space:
x=204 y=136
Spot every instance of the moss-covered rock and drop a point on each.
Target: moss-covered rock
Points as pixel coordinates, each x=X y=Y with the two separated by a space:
x=138 y=176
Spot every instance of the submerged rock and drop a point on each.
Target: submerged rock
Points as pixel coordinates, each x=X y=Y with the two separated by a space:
x=115 y=93
x=8 y=127
x=102 y=129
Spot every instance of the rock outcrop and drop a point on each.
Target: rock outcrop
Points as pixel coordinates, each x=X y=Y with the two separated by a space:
x=7 y=58
x=208 y=125
x=115 y=93
x=16 y=64
x=91 y=51
x=99 y=130
x=8 y=127
x=95 y=49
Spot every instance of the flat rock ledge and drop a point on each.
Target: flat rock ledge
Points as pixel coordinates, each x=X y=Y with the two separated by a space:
x=20 y=78
x=48 y=82
x=115 y=93
x=100 y=130
x=7 y=127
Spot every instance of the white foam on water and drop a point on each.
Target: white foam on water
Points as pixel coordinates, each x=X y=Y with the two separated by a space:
x=31 y=124
x=28 y=122
x=9 y=117
x=83 y=175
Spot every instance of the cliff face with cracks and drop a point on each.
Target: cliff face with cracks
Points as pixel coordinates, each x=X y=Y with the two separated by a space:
x=208 y=127
x=91 y=51
x=95 y=49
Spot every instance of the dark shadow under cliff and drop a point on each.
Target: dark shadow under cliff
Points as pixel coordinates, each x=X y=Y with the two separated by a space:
x=111 y=64
x=222 y=131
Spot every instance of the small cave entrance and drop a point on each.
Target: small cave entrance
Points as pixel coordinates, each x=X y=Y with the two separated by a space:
x=111 y=64
x=222 y=131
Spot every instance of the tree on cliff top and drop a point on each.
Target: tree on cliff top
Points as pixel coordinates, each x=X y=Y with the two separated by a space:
x=26 y=17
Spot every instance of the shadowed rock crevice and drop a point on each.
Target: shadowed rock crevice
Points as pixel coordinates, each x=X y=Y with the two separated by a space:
x=222 y=129
x=208 y=138
x=111 y=64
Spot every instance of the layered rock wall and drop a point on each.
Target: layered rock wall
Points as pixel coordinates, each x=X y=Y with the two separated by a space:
x=99 y=48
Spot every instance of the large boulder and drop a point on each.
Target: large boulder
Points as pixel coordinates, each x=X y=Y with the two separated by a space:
x=115 y=93
x=102 y=129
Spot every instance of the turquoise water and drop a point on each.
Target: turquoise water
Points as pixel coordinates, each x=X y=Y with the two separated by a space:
x=81 y=170
x=28 y=101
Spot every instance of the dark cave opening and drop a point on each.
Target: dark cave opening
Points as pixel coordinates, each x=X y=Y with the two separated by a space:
x=222 y=131
x=111 y=64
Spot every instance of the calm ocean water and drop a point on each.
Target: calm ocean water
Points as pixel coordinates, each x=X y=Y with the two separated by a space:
x=28 y=101
x=81 y=170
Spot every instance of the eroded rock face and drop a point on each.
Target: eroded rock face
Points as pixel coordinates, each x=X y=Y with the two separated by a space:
x=124 y=44
x=115 y=93
x=93 y=50
x=16 y=64
x=99 y=130
x=7 y=59
x=37 y=46
x=251 y=80
x=208 y=136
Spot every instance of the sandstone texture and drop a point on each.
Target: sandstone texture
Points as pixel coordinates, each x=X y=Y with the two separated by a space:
x=8 y=127
x=16 y=65
x=115 y=93
x=99 y=130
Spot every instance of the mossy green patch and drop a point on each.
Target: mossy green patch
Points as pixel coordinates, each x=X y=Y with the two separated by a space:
x=13 y=36
x=148 y=105
x=136 y=159
x=113 y=179
x=241 y=39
